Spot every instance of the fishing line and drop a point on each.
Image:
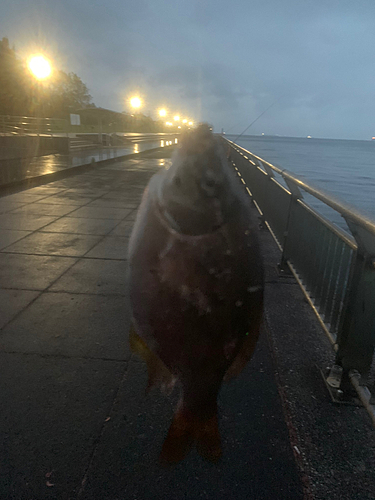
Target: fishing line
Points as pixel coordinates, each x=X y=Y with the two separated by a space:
x=252 y=123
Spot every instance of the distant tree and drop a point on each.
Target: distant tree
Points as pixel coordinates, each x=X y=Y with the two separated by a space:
x=66 y=94
x=15 y=92
x=21 y=94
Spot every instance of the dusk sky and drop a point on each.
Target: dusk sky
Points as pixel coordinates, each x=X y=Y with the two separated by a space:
x=217 y=61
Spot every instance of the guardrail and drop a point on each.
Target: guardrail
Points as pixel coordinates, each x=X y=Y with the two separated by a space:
x=335 y=269
x=28 y=125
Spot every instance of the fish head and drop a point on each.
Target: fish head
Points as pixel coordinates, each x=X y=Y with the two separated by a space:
x=194 y=191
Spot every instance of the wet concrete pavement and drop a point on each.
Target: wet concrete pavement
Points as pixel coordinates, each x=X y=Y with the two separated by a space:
x=75 y=422
x=21 y=169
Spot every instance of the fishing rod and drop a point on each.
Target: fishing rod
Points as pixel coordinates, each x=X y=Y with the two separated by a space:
x=252 y=123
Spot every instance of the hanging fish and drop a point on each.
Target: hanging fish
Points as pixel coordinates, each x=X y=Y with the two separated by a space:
x=196 y=287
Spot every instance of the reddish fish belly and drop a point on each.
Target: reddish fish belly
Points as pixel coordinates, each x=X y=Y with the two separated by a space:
x=197 y=304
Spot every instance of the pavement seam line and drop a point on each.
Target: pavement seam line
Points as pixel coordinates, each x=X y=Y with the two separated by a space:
x=101 y=432
x=63 y=255
x=58 y=218
x=103 y=238
x=22 y=310
x=107 y=294
x=65 y=356
x=25 y=202
x=68 y=269
x=35 y=230
x=40 y=292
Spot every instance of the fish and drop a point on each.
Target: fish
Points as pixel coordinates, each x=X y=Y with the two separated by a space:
x=196 y=287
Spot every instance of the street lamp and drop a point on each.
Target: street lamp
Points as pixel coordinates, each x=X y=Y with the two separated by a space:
x=40 y=67
x=136 y=103
x=176 y=118
x=162 y=112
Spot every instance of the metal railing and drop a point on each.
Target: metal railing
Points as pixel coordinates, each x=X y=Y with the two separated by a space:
x=28 y=125
x=335 y=269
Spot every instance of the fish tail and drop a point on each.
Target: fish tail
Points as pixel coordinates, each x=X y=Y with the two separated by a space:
x=179 y=440
x=187 y=430
x=208 y=440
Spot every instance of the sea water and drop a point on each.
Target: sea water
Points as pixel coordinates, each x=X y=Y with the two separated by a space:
x=344 y=168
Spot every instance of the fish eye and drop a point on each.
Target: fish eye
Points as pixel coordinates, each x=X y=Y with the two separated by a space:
x=210 y=182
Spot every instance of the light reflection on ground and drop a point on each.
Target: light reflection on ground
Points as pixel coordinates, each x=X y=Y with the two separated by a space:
x=24 y=168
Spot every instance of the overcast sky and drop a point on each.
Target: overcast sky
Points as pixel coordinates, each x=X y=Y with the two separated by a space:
x=212 y=60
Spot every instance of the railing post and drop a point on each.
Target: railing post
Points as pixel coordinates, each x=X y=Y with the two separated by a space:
x=295 y=196
x=356 y=335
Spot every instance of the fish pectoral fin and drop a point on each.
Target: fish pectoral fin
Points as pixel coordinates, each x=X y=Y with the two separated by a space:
x=138 y=345
x=158 y=373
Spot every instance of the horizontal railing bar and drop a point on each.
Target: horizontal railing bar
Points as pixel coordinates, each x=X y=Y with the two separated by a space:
x=31 y=118
x=344 y=209
x=346 y=237
x=280 y=186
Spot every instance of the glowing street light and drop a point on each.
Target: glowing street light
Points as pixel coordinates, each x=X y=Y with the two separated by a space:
x=184 y=121
x=190 y=123
x=40 y=67
x=135 y=102
x=162 y=112
x=176 y=118
x=168 y=123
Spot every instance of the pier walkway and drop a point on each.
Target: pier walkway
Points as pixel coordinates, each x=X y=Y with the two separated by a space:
x=75 y=422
